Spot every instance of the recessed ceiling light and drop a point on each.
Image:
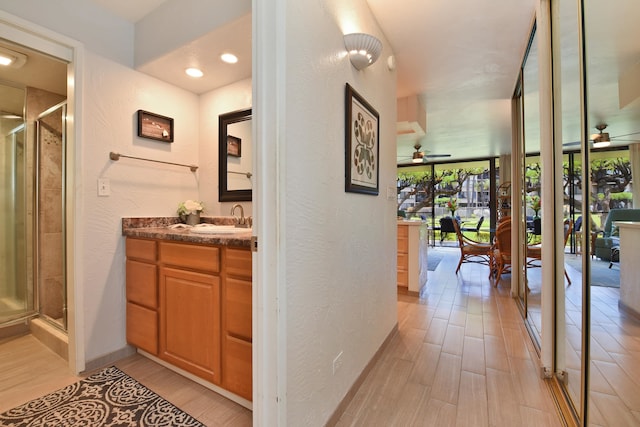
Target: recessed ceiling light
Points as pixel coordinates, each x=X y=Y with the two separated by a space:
x=194 y=72
x=229 y=58
x=10 y=58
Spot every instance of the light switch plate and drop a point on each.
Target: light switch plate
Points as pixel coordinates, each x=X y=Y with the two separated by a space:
x=104 y=187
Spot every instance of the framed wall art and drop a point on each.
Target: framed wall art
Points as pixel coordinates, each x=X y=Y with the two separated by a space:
x=155 y=126
x=234 y=146
x=362 y=144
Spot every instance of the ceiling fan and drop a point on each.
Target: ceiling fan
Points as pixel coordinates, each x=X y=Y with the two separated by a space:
x=602 y=139
x=419 y=157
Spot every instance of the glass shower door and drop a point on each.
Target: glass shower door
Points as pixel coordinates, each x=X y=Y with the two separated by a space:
x=15 y=292
x=50 y=208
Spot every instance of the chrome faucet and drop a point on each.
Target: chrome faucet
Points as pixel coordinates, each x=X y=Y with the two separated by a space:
x=242 y=221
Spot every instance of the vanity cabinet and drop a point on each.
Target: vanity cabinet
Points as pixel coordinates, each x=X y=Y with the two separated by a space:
x=189 y=304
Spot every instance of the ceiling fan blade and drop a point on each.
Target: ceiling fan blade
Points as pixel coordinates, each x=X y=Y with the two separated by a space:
x=571 y=144
x=625 y=135
x=434 y=156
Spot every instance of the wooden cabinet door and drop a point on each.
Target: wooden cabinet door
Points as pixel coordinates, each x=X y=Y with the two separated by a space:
x=190 y=321
x=236 y=367
x=236 y=323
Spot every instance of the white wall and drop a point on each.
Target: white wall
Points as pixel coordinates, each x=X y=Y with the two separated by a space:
x=112 y=95
x=236 y=96
x=340 y=247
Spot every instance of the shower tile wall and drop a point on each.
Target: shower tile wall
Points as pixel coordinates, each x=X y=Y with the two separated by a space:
x=50 y=286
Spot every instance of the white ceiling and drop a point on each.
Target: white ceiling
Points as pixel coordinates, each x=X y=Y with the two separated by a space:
x=204 y=53
x=460 y=57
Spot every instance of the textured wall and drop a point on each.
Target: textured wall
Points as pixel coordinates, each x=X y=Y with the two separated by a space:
x=340 y=247
x=112 y=96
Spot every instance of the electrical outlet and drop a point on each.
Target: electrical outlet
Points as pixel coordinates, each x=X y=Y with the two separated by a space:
x=337 y=363
x=104 y=187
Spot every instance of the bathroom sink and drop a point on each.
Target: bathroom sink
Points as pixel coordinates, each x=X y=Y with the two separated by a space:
x=217 y=229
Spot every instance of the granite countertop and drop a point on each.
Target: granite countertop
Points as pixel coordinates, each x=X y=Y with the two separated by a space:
x=157 y=228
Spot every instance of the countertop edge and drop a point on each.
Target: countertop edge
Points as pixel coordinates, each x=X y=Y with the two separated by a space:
x=157 y=229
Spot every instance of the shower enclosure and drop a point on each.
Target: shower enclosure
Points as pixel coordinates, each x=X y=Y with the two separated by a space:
x=32 y=195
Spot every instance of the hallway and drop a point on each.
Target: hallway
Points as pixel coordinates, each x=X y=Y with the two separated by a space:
x=462 y=357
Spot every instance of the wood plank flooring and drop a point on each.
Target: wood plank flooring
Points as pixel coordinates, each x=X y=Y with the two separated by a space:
x=29 y=370
x=461 y=358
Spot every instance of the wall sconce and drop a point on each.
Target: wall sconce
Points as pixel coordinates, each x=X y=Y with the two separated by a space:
x=10 y=58
x=363 y=49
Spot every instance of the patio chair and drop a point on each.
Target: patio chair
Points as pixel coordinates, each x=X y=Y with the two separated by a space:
x=534 y=231
x=475 y=229
x=446 y=227
x=502 y=250
x=534 y=252
x=473 y=251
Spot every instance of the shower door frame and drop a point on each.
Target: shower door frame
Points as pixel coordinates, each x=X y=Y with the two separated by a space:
x=63 y=325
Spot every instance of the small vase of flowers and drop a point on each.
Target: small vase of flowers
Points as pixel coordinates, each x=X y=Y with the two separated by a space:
x=189 y=211
x=452 y=205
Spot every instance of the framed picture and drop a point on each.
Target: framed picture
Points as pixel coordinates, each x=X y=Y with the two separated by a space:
x=362 y=144
x=155 y=126
x=234 y=146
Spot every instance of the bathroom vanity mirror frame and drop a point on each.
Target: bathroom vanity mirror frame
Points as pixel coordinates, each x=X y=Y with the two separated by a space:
x=224 y=193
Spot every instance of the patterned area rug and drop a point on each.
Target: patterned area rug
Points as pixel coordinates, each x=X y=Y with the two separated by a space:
x=107 y=398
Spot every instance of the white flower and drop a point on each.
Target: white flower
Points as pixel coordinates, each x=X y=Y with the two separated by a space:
x=190 y=207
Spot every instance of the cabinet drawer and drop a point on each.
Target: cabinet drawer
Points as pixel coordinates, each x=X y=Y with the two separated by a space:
x=238 y=262
x=403 y=278
x=403 y=231
x=142 y=285
x=403 y=244
x=403 y=261
x=198 y=257
x=141 y=249
x=237 y=308
x=142 y=328
x=236 y=367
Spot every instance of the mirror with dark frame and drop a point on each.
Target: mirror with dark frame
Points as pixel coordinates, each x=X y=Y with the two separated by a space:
x=235 y=156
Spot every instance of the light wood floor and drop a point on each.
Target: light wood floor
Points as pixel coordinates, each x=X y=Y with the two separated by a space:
x=29 y=370
x=461 y=358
